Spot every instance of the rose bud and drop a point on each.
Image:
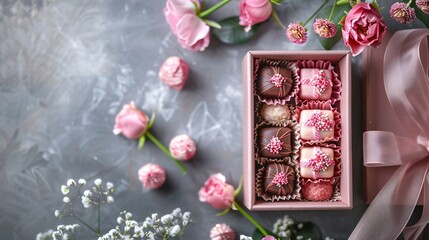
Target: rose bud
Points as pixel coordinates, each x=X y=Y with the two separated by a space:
x=130 y=122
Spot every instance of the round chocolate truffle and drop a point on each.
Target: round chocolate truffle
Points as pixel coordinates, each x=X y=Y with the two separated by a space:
x=152 y=176
x=274 y=82
x=275 y=113
x=320 y=191
x=182 y=147
x=222 y=231
x=279 y=179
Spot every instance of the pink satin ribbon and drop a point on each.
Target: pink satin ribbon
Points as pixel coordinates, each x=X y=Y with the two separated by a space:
x=407 y=87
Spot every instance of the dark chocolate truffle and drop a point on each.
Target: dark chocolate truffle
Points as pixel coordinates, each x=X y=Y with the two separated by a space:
x=275 y=142
x=274 y=82
x=279 y=179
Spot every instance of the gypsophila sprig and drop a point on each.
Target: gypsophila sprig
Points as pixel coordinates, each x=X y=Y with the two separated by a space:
x=74 y=192
x=284 y=227
x=169 y=226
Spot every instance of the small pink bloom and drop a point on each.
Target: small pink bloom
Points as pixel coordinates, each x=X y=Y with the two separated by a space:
x=191 y=32
x=253 y=12
x=217 y=192
x=152 y=176
x=130 y=122
x=269 y=238
x=174 y=72
x=423 y=5
x=222 y=231
x=296 y=33
x=364 y=26
x=182 y=148
x=324 y=28
x=402 y=13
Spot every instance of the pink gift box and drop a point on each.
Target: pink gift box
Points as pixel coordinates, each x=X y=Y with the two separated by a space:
x=341 y=60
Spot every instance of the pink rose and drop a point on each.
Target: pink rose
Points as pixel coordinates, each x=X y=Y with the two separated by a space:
x=253 y=12
x=363 y=26
x=269 y=238
x=217 y=192
x=174 y=72
x=130 y=122
x=191 y=32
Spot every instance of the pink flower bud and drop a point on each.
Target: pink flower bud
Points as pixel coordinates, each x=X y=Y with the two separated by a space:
x=152 y=176
x=174 y=72
x=423 y=5
x=253 y=12
x=217 y=192
x=182 y=147
x=222 y=231
x=296 y=33
x=402 y=13
x=130 y=122
x=324 y=28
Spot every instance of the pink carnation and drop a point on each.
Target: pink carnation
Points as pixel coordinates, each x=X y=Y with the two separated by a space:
x=324 y=28
x=402 y=13
x=423 y=5
x=296 y=33
x=217 y=192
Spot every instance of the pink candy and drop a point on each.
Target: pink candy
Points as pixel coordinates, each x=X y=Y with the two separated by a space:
x=152 y=176
x=182 y=147
x=174 y=72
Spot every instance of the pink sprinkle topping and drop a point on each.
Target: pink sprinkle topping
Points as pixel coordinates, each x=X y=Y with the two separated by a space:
x=278 y=80
x=320 y=82
x=280 y=179
x=320 y=162
x=320 y=121
x=274 y=146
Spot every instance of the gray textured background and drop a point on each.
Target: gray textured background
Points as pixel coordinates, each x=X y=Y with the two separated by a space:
x=67 y=67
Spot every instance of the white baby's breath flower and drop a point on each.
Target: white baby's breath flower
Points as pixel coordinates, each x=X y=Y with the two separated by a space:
x=64 y=189
x=154 y=216
x=57 y=213
x=87 y=193
x=243 y=237
x=175 y=230
x=166 y=219
x=109 y=185
x=71 y=182
x=127 y=228
x=81 y=181
x=119 y=220
x=110 y=199
x=177 y=212
x=66 y=199
x=98 y=182
x=128 y=215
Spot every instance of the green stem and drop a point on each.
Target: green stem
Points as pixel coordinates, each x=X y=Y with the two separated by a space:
x=165 y=150
x=238 y=190
x=314 y=14
x=212 y=9
x=84 y=223
x=332 y=11
x=98 y=214
x=252 y=220
x=342 y=2
x=409 y=3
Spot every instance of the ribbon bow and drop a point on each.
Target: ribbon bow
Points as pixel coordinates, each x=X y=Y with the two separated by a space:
x=407 y=88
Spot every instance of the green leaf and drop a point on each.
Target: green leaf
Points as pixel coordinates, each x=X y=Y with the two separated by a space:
x=375 y=4
x=353 y=2
x=308 y=230
x=276 y=2
x=223 y=213
x=328 y=43
x=212 y=23
x=421 y=15
x=142 y=140
x=152 y=121
x=233 y=33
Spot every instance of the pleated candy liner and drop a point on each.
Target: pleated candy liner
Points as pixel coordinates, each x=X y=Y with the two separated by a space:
x=295 y=195
x=337 y=160
x=277 y=63
x=295 y=139
x=336 y=83
x=321 y=105
x=258 y=109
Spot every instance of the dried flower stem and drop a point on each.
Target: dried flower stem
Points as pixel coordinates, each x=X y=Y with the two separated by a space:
x=165 y=150
x=314 y=14
x=214 y=8
x=252 y=220
x=84 y=223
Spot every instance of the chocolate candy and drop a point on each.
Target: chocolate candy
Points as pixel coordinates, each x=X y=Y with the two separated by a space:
x=275 y=142
x=317 y=162
x=279 y=179
x=316 y=84
x=273 y=82
x=275 y=113
x=317 y=124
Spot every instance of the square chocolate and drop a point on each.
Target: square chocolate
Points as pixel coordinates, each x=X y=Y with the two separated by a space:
x=317 y=124
x=279 y=179
x=275 y=142
x=317 y=162
x=273 y=82
x=316 y=84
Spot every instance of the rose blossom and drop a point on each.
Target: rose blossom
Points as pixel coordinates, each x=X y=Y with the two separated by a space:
x=324 y=28
x=296 y=33
x=130 y=122
x=174 y=72
x=363 y=26
x=423 y=5
x=269 y=238
x=402 y=13
x=217 y=192
x=253 y=12
x=191 y=32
